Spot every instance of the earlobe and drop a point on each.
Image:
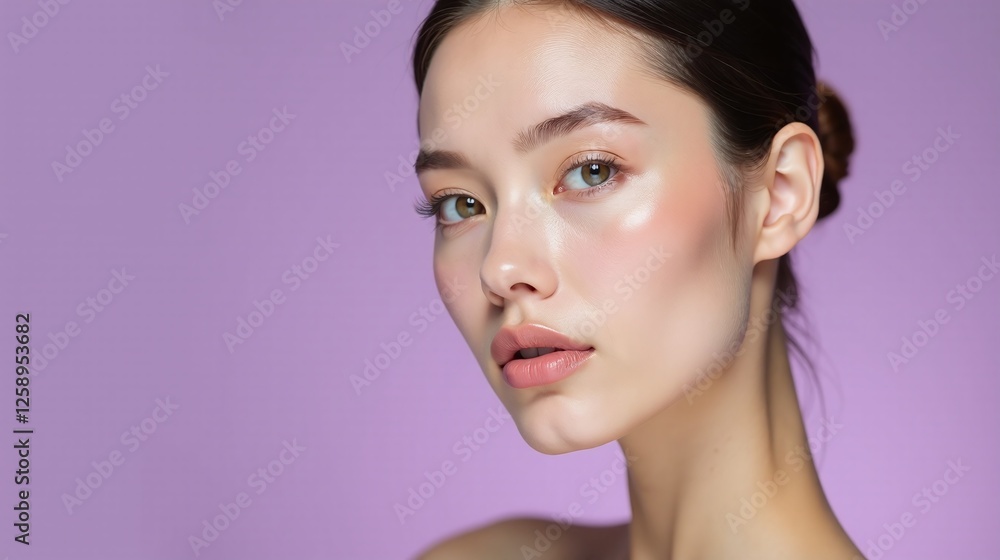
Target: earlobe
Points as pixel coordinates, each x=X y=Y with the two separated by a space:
x=792 y=179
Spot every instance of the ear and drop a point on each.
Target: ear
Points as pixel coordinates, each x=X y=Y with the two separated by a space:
x=788 y=204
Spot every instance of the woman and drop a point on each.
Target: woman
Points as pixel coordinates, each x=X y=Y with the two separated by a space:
x=618 y=185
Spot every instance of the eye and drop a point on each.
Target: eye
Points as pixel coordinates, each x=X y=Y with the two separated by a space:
x=594 y=170
x=449 y=209
x=454 y=209
x=587 y=176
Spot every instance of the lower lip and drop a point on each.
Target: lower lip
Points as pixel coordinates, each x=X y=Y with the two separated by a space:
x=522 y=373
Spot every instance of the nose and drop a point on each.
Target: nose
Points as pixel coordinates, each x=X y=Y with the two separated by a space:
x=518 y=262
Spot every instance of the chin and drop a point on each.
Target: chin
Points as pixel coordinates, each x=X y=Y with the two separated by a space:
x=555 y=424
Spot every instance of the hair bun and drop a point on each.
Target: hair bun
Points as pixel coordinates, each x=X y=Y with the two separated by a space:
x=837 y=140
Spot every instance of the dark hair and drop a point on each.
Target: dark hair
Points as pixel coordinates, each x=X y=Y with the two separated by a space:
x=751 y=64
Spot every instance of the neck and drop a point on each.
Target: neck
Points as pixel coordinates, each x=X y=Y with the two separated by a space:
x=727 y=469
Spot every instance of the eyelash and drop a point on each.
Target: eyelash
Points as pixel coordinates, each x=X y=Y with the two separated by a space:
x=428 y=208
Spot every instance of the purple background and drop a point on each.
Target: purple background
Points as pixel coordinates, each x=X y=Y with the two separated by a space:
x=323 y=175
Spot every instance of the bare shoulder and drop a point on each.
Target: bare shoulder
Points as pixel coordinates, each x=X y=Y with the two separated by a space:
x=520 y=538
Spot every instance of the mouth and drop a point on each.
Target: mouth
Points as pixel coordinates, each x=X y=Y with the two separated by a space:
x=533 y=354
x=526 y=353
x=533 y=367
x=530 y=341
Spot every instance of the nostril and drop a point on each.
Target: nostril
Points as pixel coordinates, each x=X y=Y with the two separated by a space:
x=523 y=286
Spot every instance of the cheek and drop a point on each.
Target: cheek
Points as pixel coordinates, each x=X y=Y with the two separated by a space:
x=668 y=269
x=700 y=296
x=460 y=289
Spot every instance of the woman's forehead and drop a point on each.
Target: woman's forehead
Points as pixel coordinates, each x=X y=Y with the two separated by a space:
x=530 y=59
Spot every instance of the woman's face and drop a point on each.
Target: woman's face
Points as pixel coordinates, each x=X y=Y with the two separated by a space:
x=631 y=257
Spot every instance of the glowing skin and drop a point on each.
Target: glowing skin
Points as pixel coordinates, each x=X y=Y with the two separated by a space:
x=644 y=271
x=556 y=258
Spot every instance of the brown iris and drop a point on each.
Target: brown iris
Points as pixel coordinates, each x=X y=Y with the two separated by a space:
x=467 y=207
x=596 y=172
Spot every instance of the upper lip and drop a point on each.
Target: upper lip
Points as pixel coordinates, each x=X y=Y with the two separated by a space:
x=510 y=340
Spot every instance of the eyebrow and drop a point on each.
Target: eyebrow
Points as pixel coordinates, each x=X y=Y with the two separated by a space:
x=587 y=114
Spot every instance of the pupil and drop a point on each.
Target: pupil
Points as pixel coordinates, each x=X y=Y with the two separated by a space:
x=467 y=207
x=595 y=174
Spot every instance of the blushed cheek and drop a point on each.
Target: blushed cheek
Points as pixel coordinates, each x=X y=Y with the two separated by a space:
x=665 y=238
x=697 y=298
x=669 y=276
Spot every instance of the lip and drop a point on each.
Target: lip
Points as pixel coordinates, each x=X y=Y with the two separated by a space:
x=541 y=370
